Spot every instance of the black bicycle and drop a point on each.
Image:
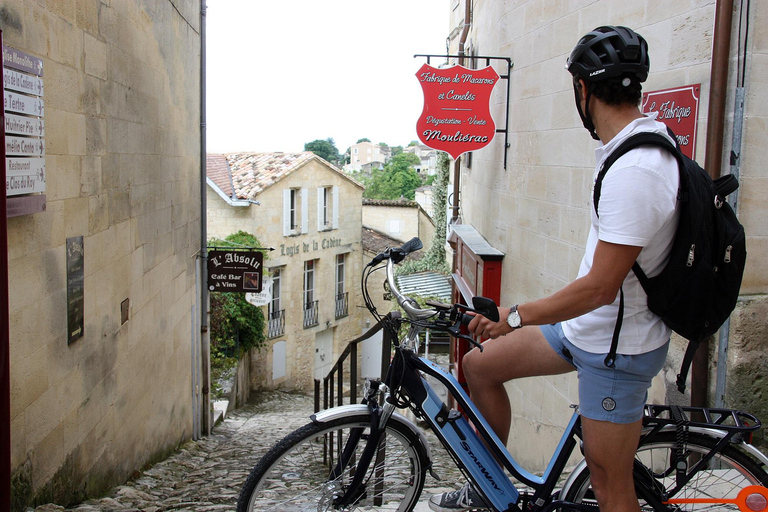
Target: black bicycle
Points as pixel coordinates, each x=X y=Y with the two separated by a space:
x=367 y=457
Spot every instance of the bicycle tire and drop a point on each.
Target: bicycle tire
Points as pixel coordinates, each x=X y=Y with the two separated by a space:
x=292 y=476
x=730 y=471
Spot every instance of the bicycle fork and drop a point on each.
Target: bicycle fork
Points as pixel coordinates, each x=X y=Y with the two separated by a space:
x=379 y=417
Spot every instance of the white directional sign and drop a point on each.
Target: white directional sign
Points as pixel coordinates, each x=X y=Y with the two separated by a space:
x=21 y=82
x=22 y=104
x=21 y=125
x=24 y=125
x=24 y=146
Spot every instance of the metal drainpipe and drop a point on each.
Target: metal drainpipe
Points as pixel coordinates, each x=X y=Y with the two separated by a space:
x=457 y=162
x=205 y=349
x=721 y=47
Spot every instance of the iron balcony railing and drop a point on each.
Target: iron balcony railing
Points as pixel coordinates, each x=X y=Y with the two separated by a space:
x=342 y=304
x=310 y=314
x=276 y=324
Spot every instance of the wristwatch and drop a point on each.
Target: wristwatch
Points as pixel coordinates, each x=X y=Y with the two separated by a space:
x=513 y=318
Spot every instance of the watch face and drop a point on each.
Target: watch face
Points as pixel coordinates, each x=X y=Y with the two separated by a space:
x=514 y=318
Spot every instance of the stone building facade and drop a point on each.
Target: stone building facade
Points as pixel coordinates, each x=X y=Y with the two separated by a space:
x=122 y=161
x=536 y=210
x=399 y=219
x=310 y=213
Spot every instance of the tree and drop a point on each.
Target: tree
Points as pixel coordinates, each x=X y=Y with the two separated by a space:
x=397 y=179
x=434 y=260
x=325 y=149
x=236 y=325
x=364 y=139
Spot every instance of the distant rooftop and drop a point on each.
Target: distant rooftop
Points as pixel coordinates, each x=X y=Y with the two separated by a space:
x=245 y=175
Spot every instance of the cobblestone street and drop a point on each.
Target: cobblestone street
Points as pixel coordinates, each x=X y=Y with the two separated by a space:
x=206 y=475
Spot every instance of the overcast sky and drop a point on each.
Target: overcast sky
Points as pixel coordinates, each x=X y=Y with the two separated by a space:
x=282 y=73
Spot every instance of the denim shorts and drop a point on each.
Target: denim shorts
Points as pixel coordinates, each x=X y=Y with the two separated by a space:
x=614 y=394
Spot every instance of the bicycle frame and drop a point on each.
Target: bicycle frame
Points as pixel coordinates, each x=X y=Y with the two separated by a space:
x=465 y=443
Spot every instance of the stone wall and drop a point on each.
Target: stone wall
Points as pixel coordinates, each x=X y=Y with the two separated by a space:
x=537 y=210
x=122 y=96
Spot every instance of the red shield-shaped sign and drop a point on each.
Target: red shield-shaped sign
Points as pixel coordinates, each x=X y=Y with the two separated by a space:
x=456 y=116
x=678 y=108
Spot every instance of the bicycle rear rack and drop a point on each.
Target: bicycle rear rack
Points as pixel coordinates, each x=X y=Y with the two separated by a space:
x=728 y=420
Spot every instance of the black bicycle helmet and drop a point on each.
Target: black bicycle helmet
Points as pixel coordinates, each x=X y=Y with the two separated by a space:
x=610 y=52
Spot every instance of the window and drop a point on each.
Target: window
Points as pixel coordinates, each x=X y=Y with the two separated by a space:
x=327 y=208
x=295 y=213
x=276 y=316
x=294 y=210
x=309 y=281
x=310 y=304
x=340 y=261
x=274 y=304
x=342 y=297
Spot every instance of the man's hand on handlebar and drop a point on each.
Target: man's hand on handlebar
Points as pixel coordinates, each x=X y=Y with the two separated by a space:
x=485 y=328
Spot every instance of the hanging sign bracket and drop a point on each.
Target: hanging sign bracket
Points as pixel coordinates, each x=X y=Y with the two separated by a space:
x=463 y=136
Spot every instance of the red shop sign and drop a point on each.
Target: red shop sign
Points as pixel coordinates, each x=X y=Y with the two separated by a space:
x=456 y=116
x=678 y=108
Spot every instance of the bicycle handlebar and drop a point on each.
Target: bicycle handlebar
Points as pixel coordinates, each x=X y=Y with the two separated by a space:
x=480 y=305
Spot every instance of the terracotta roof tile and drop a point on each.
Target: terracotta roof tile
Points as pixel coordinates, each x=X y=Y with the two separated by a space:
x=217 y=170
x=252 y=173
x=376 y=242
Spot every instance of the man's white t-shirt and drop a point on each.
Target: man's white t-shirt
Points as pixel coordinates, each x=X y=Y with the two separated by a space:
x=638 y=206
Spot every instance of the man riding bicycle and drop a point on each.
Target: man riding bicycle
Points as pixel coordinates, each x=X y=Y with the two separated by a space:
x=572 y=329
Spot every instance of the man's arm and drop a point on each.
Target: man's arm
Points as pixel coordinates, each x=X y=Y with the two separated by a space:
x=610 y=265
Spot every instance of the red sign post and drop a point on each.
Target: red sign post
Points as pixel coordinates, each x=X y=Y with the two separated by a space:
x=678 y=108
x=456 y=116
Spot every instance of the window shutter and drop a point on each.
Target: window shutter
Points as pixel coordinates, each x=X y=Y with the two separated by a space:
x=286 y=212
x=320 y=205
x=304 y=210
x=335 y=207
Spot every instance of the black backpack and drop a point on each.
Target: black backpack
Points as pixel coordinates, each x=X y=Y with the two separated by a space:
x=698 y=288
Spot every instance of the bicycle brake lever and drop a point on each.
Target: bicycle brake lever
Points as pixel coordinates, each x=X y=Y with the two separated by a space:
x=454 y=331
x=471 y=340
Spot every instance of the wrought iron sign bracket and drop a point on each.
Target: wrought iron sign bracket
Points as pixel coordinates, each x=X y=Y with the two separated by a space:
x=242 y=248
x=506 y=77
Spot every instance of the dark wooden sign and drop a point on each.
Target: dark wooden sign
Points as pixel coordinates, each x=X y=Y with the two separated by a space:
x=235 y=271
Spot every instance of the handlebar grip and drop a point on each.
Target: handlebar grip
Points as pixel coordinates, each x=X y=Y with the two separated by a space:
x=465 y=319
x=412 y=245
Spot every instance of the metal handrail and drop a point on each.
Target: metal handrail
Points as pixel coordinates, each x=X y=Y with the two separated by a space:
x=335 y=375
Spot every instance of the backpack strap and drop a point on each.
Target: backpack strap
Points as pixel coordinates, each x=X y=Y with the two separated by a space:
x=690 y=350
x=636 y=140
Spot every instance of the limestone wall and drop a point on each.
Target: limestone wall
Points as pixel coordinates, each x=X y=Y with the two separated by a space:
x=122 y=161
x=537 y=210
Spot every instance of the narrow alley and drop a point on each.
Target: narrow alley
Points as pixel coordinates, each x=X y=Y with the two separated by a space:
x=206 y=475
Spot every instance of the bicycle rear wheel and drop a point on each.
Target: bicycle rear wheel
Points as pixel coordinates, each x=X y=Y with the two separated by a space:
x=294 y=475
x=730 y=471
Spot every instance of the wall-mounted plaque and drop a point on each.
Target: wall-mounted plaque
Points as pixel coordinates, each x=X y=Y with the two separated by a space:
x=75 y=289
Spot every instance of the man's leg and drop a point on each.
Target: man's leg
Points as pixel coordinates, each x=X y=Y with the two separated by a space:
x=610 y=450
x=521 y=353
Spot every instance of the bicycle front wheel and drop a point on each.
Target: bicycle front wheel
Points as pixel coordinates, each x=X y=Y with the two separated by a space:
x=727 y=473
x=294 y=475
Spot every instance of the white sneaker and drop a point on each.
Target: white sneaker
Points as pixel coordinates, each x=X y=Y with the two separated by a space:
x=460 y=500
